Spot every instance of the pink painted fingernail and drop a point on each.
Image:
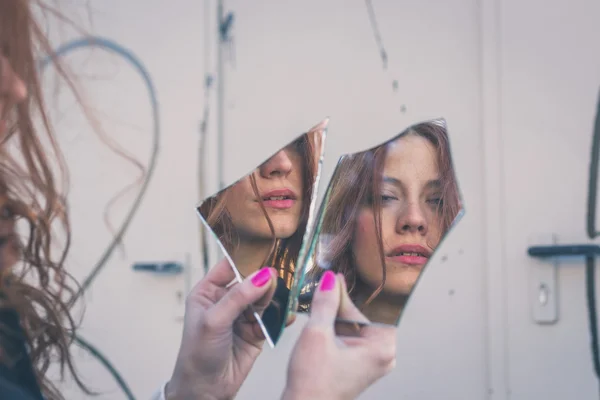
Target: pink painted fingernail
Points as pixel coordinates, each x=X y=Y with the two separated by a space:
x=262 y=277
x=327 y=281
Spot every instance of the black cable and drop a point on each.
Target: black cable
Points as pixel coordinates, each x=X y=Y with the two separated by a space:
x=593 y=181
x=84 y=344
x=590 y=272
x=590 y=268
x=137 y=64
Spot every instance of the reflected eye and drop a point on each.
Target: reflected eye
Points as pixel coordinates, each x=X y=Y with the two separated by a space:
x=435 y=201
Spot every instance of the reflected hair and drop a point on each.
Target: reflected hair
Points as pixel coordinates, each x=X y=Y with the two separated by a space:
x=284 y=252
x=354 y=181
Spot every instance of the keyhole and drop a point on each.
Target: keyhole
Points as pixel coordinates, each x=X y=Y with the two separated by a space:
x=543 y=294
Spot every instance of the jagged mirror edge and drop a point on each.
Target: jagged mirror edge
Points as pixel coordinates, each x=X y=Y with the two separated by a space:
x=300 y=263
x=309 y=250
x=238 y=277
x=312 y=205
x=299 y=279
x=460 y=214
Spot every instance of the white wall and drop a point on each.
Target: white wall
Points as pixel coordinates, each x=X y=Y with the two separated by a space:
x=516 y=82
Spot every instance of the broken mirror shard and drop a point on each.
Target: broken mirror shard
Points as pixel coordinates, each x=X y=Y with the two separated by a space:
x=263 y=218
x=384 y=214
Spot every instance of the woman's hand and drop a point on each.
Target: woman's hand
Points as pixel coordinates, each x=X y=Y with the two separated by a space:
x=331 y=367
x=221 y=340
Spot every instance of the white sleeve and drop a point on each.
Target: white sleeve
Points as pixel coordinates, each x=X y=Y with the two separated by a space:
x=160 y=393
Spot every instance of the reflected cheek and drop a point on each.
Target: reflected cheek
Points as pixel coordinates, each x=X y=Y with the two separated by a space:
x=434 y=236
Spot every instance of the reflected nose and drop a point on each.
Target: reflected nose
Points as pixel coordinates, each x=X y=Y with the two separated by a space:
x=412 y=220
x=276 y=166
x=12 y=87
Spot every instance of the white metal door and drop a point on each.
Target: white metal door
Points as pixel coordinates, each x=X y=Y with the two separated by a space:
x=548 y=80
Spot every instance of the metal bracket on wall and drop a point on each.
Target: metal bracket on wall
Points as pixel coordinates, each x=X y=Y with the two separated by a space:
x=545 y=306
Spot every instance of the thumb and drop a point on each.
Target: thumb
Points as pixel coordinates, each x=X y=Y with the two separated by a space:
x=258 y=287
x=325 y=302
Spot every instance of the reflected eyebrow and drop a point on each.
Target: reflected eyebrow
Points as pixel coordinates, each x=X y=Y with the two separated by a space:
x=432 y=184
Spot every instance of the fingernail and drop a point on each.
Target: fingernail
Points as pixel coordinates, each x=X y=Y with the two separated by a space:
x=262 y=277
x=328 y=281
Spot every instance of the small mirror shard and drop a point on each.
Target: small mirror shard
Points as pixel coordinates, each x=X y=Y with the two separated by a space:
x=385 y=212
x=262 y=219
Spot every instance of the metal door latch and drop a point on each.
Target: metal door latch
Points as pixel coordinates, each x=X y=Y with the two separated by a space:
x=543 y=282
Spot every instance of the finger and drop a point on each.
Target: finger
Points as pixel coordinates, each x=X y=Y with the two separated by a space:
x=325 y=302
x=222 y=274
x=259 y=286
x=268 y=299
x=248 y=321
x=261 y=305
x=214 y=285
x=348 y=310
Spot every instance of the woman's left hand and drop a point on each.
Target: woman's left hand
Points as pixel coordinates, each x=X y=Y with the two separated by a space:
x=221 y=340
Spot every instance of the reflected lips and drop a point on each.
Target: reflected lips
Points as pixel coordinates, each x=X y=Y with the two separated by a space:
x=410 y=254
x=281 y=199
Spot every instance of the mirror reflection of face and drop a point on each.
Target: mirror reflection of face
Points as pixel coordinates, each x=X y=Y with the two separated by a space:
x=385 y=213
x=410 y=198
x=280 y=188
x=261 y=220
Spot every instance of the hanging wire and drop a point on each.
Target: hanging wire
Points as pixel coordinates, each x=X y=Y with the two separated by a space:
x=84 y=344
x=590 y=277
x=108 y=44
x=101 y=263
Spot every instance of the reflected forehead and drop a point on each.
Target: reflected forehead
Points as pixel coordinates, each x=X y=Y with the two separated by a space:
x=411 y=158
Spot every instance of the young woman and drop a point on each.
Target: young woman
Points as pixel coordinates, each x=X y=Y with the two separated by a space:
x=218 y=347
x=387 y=210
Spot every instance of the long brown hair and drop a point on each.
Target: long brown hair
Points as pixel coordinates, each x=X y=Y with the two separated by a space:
x=355 y=179
x=284 y=252
x=37 y=287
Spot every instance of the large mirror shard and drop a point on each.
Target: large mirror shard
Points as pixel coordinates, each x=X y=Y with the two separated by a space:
x=384 y=213
x=263 y=219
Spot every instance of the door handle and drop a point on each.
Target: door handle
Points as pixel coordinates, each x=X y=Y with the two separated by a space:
x=568 y=250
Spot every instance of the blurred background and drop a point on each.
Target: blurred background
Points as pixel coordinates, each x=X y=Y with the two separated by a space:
x=516 y=81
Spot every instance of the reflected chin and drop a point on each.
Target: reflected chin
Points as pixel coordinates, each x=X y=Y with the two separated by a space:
x=285 y=226
x=281 y=232
x=397 y=283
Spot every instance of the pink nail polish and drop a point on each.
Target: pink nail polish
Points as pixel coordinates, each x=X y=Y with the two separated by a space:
x=262 y=277
x=328 y=281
